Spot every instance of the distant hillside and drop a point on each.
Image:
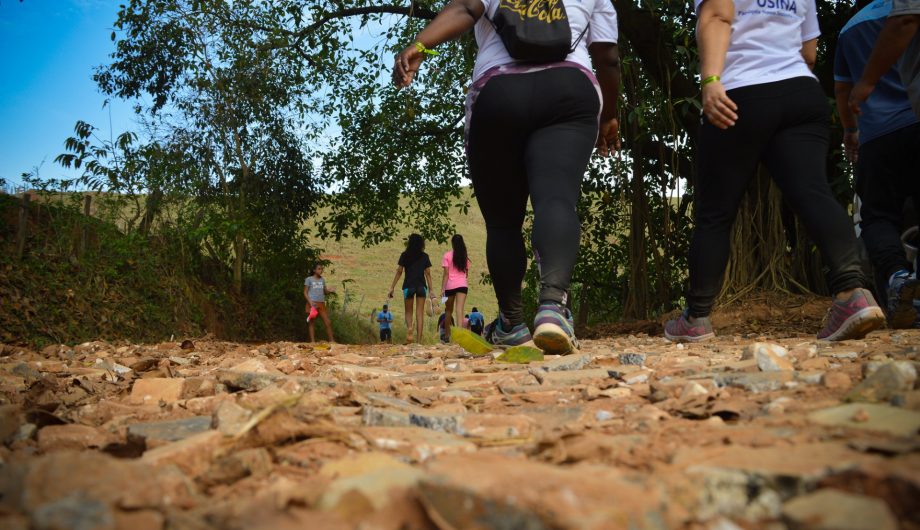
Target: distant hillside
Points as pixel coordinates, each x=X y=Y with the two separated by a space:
x=372 y=269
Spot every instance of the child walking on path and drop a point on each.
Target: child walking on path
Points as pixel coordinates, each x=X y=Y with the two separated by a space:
x=315 y=290
x=454 y=283
x=417 y=266
x=385 y=319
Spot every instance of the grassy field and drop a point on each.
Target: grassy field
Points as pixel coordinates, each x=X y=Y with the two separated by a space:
x=371 y=270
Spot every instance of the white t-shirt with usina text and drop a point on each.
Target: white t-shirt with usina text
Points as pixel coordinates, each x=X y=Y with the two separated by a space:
x=766 y=41
x=599 y=13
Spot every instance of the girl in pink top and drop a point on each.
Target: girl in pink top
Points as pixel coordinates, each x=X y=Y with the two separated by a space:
x=454 y=284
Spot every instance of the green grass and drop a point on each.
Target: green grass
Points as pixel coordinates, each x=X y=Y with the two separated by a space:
x=371 y=271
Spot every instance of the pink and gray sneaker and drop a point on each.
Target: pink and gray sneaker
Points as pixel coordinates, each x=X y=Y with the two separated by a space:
x=688 y=329
x=854 y=318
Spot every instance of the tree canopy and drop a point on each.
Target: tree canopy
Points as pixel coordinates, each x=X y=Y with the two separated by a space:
x=264 y=113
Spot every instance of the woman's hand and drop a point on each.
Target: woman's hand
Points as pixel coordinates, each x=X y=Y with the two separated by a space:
x=608 y=137
x=719 y=109
x=407 y=64
x=390 y=294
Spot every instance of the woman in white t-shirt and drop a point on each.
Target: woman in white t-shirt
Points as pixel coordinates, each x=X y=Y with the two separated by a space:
x=530 y=130
x=761 y=103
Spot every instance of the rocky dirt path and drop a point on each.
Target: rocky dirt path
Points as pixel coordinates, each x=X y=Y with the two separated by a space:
x=634 y=433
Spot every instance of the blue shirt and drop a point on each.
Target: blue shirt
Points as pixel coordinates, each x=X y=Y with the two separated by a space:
x=888 y=108
x=476 y=318
x=387 y=317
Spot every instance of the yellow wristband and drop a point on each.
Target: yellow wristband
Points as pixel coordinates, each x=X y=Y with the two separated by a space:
x=422 y=49
x=710 y=79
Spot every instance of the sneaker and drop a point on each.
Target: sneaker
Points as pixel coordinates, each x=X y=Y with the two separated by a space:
x=901 y=292
x=854 y=318
x=518 y=335
x=554 y=329
x=683 y=329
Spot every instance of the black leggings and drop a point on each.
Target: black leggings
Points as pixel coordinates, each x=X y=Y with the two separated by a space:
x=532 y=134
x=888 y=172
x=785 y=125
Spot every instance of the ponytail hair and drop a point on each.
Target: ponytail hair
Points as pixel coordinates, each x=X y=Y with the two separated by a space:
x=461 y=259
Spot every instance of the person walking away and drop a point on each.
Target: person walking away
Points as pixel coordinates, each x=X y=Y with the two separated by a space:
x=315 y=291
x=415 y=287
x=477 y=321
x=762 y=102
x=454 y=282
x=385 y=320
x=532 y=120
x=884 y=142
x=898 y=41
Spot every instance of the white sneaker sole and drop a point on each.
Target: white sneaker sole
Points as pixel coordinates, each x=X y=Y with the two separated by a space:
x=553 y=340
x=688 y=338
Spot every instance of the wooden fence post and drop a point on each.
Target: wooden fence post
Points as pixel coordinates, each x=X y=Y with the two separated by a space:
x=23 y=225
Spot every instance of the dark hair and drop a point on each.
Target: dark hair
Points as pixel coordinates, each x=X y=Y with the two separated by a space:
x=415 y=247
x=461 y=260
x=315 y=265
x=475 y=310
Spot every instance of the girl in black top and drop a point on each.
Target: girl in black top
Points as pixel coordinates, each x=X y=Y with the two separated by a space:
x=416 y=284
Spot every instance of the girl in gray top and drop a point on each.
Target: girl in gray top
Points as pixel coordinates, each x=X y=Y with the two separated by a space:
x=314 y=291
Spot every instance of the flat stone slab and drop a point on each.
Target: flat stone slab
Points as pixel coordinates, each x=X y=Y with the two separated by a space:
x=870 y=416
x=830 y=509
x=171 y=430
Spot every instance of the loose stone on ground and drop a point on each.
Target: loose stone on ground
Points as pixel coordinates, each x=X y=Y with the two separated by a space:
x=631 y=433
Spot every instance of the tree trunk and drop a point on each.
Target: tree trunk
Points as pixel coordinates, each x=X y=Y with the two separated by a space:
x=238 y=245
x=582 y=319
x=151 y=210
x=637 y=299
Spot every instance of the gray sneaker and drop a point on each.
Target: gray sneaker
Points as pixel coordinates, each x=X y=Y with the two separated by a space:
x=518 y=335
x=554 y=329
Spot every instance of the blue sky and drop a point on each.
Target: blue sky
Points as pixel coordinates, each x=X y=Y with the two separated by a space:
x=48 y=50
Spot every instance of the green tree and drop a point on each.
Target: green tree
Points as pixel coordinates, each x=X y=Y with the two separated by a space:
x=235 y=103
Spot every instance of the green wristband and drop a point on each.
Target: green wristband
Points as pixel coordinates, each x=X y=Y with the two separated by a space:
x=710 y=79
x=422 y=49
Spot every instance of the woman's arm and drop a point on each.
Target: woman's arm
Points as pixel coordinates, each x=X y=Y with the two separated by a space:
x=454 y=20
x=606 y=60
x=399 y=271
x=712 y=36
x=444 y=280
x=430 y=283
x=809 y=52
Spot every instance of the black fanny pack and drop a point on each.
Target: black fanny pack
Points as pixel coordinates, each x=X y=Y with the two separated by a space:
x=535 y=31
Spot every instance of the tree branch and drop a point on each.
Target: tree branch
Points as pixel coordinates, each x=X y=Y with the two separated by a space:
x=414 y=10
